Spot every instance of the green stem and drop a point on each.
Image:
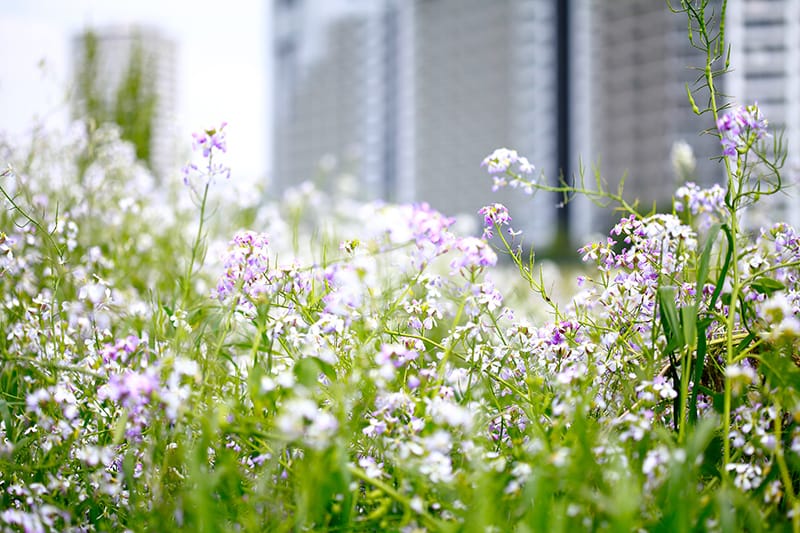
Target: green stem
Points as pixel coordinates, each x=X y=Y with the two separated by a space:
x=686 y=372
x=394 y=494
x=732 y=205
x=785 y=475
x=195 y=246
x=446 y=355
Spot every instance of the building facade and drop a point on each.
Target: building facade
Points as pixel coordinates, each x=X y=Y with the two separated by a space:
x=335 y=90
x=765 y=41
x=481 y=75
x=411 y=96
x=643 y=63
x=114 y=51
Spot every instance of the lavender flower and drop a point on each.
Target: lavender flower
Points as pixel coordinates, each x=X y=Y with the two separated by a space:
x=494 y=215
x=475 y=255
x=429 y=229
x=121 y=350
x=741 y=127
x=210 y=139
x=246 y=266
x=209 y=142
x=392 y=357
x=500 y=162
x=131 y=389
x=699 y=200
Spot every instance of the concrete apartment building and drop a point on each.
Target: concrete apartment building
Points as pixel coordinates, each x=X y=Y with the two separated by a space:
x=640 y=108
x=643 y=61
x=432 y=86
x=115 y=48
x=335 y=94
x=411 y=95
x=765 y=39
x=481 y=76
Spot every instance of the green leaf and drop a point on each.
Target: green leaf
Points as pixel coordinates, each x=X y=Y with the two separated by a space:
x=5 y=414
x=128 y=471
x=689 y=324
x=781 y=373
x=724 y=271
x=705 y=259
x=669 y=318
x=767 y=286
x=726 y=299
x=119 y=428
x=699 y=366
x=308 y=369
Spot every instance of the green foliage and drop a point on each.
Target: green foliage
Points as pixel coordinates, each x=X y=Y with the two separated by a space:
x=352 y=367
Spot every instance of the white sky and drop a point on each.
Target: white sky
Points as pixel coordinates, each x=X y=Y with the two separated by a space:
x=222 y=56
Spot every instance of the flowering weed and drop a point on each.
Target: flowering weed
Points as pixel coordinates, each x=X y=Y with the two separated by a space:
x=349 y=366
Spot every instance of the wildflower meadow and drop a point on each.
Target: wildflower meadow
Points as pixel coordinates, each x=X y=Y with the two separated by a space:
x=172 y=361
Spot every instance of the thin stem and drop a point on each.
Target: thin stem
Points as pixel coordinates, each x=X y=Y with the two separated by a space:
x=686 y=372
x=732 y=204
x=446 y=355
x=195 y=245
x=786 y=477
x=393 y=493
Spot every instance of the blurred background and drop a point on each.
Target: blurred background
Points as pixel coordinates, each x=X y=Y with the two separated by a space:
x=400 y=100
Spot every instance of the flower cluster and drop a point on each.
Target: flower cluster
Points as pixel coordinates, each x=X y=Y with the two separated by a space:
x=475 y=255
x=209 y=140
x=495 y=215
x=247 y=267
x=209 y=143
x=700 y=201
x=359 y=366
x=501 y=161
x=134 y=391
x=740 y=128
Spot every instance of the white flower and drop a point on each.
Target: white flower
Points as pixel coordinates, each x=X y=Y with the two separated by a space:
x=448 y=413
x=97 y=293
x=499 y=160
x=302 y=419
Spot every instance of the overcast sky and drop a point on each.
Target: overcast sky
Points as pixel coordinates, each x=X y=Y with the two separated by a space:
x=222 y=56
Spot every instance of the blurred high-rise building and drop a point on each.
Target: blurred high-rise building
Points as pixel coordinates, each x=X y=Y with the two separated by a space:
x=123 y=71
x=335 y=92
x=643 y=61
x=413 y=95
x=765 y=40
x=479 y=75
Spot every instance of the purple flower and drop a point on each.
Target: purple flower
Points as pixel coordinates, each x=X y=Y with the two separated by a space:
x=131 y=389
x=741 y=127
x=493 y=216
x=346 y=290
x=246 y=266
x=428 y=228
x=475 y=255
x=499 y=160
x=208 y=142
x=120 y=350
x=708 y=203
x=525 y=166
x=210 y=139
x=395 y=355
